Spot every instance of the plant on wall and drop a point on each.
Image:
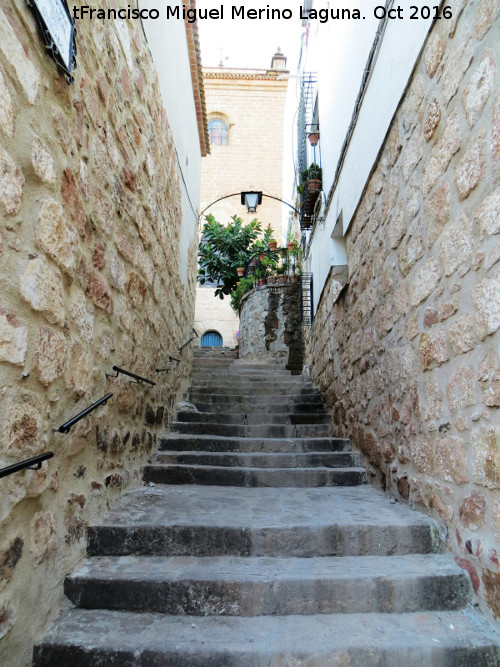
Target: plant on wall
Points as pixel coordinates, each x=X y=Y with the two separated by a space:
x=312 y=173
x=223 y=249
x=244 y=286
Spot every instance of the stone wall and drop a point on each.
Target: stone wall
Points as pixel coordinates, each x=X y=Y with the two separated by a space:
x=408 y=352
x=90 y=219
x=270 y=327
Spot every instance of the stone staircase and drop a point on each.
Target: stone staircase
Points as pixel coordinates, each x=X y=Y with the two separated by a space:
x=257 y=542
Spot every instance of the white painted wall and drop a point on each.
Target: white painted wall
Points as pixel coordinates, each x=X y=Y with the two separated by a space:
x=338 y=51
x=168 y=44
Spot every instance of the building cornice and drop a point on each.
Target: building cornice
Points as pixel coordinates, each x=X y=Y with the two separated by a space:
x=194 y=52
x=245 y=74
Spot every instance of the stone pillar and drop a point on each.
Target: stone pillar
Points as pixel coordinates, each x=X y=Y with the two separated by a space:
x=270 y=326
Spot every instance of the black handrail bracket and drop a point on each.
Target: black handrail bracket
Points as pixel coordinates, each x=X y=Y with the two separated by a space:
x=35 y=463
x=137 y=378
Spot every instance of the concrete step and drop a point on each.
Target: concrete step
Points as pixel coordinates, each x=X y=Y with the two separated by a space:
x=253 y=431
x=247 y=371
x=286 y=407
x=256 y=389
x=256 y=419
x=211 y=365
x=235 y=586
x=292 y=522
x=214 y=353
x=83 y=637
x=204 y=360
x=230 y=398
x=210 y=443
x=232 y=476
x=248 y=378
x=261 y=366
x=268 y=460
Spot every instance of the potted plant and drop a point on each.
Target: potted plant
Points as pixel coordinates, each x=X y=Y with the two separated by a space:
x=269 y=240
x=282 y=273
x=310 y=187
x=259 y=248
x=271 y=280
x=241 y=261
x=313 y=137
x=297 y=272
x=260 y=275
x=314 y=177
x=291 y=242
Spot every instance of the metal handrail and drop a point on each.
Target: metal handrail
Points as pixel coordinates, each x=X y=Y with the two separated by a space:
x=65 y=428
x=35 y=463
x=137 y=378
x=196 y=335
x=187 y=343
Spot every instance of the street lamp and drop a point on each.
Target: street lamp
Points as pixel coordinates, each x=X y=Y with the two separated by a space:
x=251 y=200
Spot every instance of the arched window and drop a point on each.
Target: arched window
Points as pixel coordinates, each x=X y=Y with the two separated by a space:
x=218 y=132
x=211 y=339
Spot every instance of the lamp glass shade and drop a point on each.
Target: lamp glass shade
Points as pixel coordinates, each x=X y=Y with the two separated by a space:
x=251 y=201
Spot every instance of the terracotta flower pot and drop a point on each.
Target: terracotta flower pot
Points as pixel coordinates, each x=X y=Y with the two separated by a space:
x=314 y=185
x=262 y=281
x=291 y=246
x=273 y=245
x=282 y=279
x=240 y=271
x=313 y=138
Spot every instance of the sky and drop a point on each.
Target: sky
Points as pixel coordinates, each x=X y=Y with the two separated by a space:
x=247 y=42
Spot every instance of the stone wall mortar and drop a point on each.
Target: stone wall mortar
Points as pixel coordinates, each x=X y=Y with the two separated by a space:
x=408 y=354
x=90 y=220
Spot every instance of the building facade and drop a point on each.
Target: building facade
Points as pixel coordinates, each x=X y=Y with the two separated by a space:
x=404 y=252
x=245 y=110
x=99 y=195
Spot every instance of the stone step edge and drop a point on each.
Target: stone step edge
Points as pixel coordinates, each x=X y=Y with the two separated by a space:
x=229 y=438
x=237 y=454
x=161 y=466
x=429 y=638
x=219 y=568
x=246 y=586
x=175 y=423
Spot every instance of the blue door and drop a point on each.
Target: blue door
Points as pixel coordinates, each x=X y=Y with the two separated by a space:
x=211 y=339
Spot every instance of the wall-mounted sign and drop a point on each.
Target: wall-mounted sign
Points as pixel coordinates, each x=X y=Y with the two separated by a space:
x=57 y=29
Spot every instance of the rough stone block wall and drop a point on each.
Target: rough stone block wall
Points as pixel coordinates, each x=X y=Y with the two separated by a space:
x=270 y=326
x=408 y=353
x=90 y=218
